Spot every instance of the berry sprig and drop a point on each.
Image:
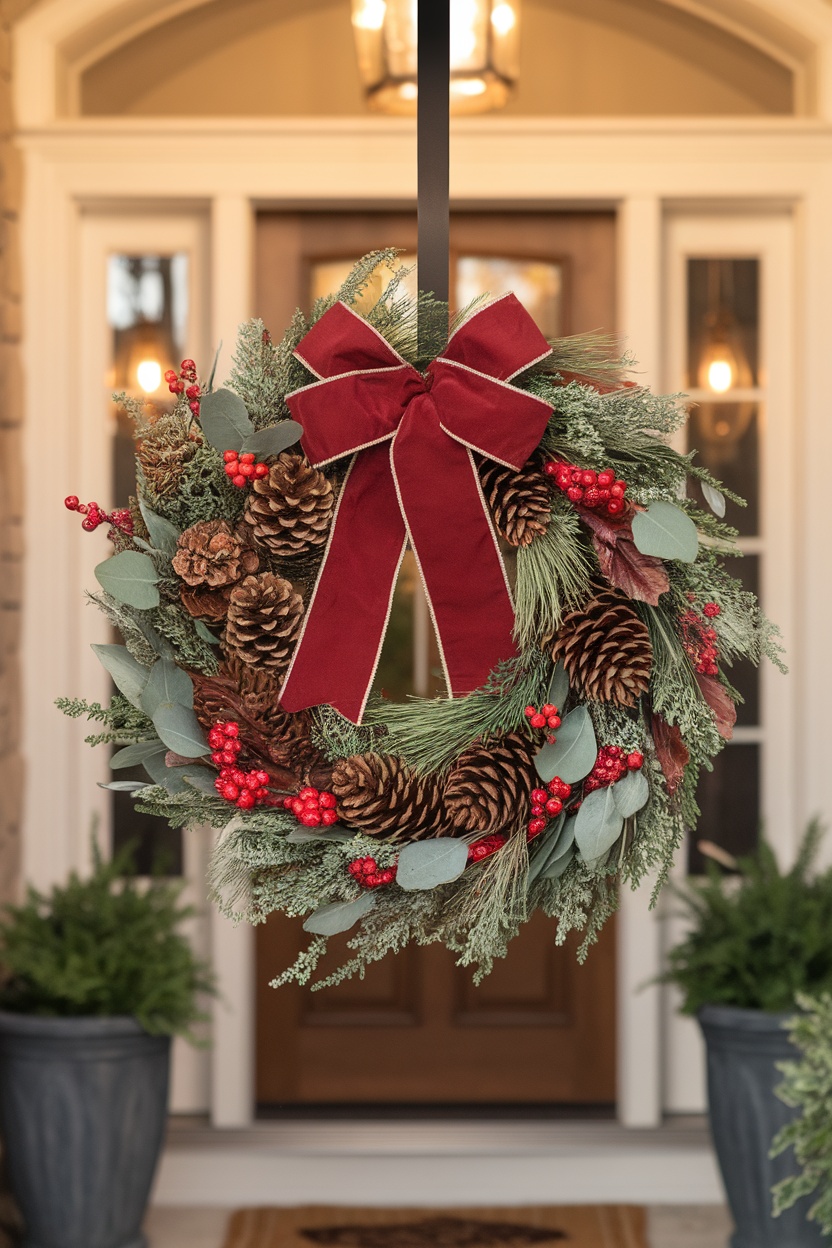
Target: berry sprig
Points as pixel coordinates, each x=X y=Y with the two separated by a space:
x=597 y=491
x=245 y=789
x=367 y=873
x=611 y=764
x=700 y=640
x=547 y=804
x=242 y=469
x=313 y=807
x=486 y=846
x=178 y=383
x=546 y=717
x=121 y=518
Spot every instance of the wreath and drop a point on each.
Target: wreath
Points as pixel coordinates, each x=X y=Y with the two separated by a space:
x=583 y=614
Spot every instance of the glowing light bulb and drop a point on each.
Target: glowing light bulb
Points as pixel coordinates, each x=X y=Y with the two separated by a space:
x=463 y=31
x=149 y=375
x=468 y=86
x=720 y=375
x=503 y=19
x=408 y=91
x=370 y=16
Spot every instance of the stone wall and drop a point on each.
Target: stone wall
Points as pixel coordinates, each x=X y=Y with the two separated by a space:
x=11 y=470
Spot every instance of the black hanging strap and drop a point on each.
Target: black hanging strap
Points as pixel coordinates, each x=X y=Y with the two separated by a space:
x=432 y=124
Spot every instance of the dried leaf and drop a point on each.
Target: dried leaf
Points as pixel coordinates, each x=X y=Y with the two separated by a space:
x=643 y=577
x=719 y=700
x=671 y=751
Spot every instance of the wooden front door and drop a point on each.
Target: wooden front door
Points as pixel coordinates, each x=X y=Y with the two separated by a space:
x=540 y=1028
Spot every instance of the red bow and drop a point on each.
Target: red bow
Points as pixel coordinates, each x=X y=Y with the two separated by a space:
x=412 y=477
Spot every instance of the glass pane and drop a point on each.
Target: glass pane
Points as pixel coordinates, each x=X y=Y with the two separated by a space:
x=726 y=437
x=745 y=676
x=327 y=276
x=396 y=675
x=723 y=324
x=729 y=800
x=538 y=284
x=147 y=311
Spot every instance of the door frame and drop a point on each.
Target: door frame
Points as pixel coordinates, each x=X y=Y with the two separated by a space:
x=642 y=169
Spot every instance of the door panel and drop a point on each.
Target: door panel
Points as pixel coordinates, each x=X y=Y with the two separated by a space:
x=540 y=1028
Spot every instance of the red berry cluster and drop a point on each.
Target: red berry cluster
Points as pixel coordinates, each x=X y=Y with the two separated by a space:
x=546 y=717
x=184 y=382
x=611 y=764
x=593 y=490
x=699 y=639
x=366 y=872
x=486 y=846
x=242 y=468
x=313 y=807
x=94 y=515
x=244 y=788
x=546 y=804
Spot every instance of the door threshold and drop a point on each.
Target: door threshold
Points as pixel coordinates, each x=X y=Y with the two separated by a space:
x=488 y=1112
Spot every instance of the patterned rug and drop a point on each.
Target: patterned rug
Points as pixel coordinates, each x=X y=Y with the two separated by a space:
x=572 y=1226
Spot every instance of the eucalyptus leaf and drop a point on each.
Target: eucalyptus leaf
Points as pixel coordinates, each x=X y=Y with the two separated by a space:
x=134 y=755
x=574 y=752
x=557 y=867
x=200 y=778
x=155 y=765
x=155 y=640
x=179 y=779
x=130 y=577
x=166 y=683
x=129 y=675
x=124 y=786
x=598 y=824
x=631 y=793
x=558 y=687
x=224 y=420
x=179 y=728
x=163 y=534
x=339 y=916
x=299 y=835
x=274 y=439
x=203 y=631
x=714 y=499
x=142 y=544
x=666 y=532
x=545 y=847
x=427 y=864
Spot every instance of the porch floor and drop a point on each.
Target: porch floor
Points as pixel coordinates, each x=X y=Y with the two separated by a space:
x=437 y=1162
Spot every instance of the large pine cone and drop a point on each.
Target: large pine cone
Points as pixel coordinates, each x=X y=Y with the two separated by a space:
x=163 y=454
x=211 y=559
x=520 y=502
x=291 y=509
x=264 y=619
x=488 y=788
x=382 y=796
x=605 y=648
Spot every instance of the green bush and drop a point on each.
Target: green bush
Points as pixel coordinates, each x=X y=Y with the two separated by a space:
x=808 y=1087
x=106 y=945
x=758 y=937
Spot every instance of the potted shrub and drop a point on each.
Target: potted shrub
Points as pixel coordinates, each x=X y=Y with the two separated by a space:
x=758 y=937
x=808 y=1089
x=97 y=977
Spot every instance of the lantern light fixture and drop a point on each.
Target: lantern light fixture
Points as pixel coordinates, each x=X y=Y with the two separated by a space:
x=484 y=53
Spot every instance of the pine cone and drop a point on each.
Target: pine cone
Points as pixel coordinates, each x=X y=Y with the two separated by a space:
x=520 y=502
x=383 y=797
x=488 y=788
x=211 y=559
x=163 y=454
x=291 y=509
x=605 y=648
x=264 y=618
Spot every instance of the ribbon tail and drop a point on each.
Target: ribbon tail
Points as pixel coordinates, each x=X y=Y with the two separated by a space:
x=456 y=548
x=336 y=657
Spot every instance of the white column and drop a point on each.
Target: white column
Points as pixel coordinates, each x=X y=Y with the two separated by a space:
x=232 y=948
x=639 y=936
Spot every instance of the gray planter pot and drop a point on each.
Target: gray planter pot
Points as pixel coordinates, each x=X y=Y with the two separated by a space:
x=83 y=1103
x=744 y=1047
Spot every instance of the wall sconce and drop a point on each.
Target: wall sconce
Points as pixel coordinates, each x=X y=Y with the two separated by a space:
x=723 y=364
x=143 y=354
x=484 y=53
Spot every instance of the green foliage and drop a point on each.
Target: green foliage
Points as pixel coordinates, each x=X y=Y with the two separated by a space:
x=553 y=575
x=808 y=1087
x=103 y=946
x=126 y=724
x=757 y=940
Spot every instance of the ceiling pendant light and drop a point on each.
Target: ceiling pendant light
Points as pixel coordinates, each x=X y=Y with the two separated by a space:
x=484 y=53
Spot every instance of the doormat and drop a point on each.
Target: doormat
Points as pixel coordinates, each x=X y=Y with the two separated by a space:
x=572 y=1226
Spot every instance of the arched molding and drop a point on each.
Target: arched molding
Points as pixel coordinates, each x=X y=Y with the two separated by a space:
x=57 y=40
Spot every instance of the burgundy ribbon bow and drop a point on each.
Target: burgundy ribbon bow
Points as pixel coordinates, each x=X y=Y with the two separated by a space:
x=413 y=477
